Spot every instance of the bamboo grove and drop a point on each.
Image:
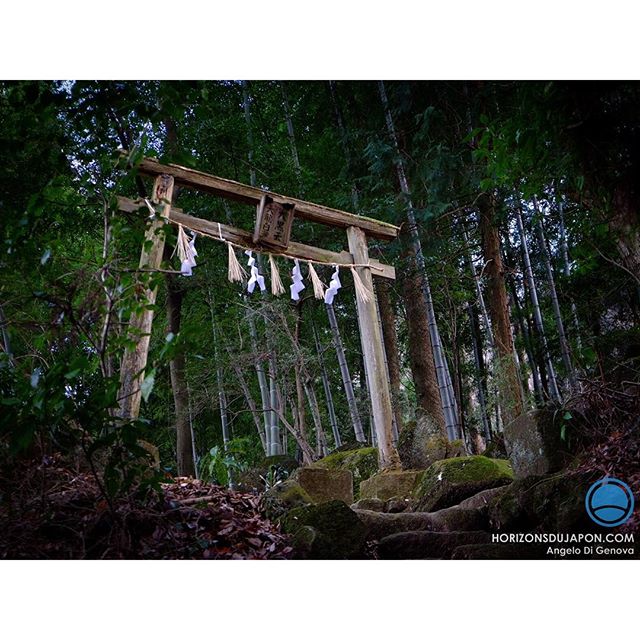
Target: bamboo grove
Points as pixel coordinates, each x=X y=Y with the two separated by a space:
x=518 y=262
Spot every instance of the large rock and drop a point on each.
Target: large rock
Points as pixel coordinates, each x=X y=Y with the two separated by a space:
x=283 y=497
x=390 y=484
x=423 y=545
x=420 y=444
x=553 y=503
x=483 y=499
x=380 y=525
x=324 y=485
x=362 y=463
x=370 y=504
x=447 y=482
x=534 y=444
x=328 y=531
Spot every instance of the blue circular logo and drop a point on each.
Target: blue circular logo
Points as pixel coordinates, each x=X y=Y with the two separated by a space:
x=609 y=502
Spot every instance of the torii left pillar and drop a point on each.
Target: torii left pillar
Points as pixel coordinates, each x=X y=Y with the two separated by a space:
x=134 y=360
x=373 y=352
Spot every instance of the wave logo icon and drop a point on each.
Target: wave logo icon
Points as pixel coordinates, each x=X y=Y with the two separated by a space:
x=609 y=502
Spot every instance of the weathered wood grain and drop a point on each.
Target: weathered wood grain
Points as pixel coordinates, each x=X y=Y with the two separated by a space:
x=373 y=353
x=239 y=192
x=245 y=238
x=134 y=360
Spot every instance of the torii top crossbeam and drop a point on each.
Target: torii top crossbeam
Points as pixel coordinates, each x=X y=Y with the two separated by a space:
x=239 y=192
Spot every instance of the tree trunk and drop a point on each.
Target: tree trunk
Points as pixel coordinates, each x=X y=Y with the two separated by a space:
x=537 y=314
x=292 y=139
x=327 y=391
x=508 y=381
x=184 y=442
x=522 y=319
x=251 y=405
x=555 y=304
x=346 y=377
x=442 y=370
x=624 y=222
x=262 y=381
x=388 y=322
x=321 y=440
x=564 y=248
x=480 y=372
x=344 y=139
x=420 y=352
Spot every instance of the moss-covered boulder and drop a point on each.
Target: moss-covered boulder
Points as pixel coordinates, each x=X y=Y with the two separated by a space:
x=283 y=497
x=390 y=484
x=447 y=482
x=324 y=485
x=552 y=503
x=362 y=462
x=420 y=444
x=534 y=444
x=328 y=531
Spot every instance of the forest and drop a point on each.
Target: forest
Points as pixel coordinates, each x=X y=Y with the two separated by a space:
x=473 y=378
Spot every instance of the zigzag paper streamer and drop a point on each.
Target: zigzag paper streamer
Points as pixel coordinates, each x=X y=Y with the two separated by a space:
x=255 y=274
x=297 y=285
x=334 y=285
x=187 y=252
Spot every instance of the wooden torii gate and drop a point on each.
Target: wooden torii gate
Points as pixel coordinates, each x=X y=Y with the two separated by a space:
x=358 y=229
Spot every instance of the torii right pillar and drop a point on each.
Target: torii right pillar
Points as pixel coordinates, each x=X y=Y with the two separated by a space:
x=373 y=352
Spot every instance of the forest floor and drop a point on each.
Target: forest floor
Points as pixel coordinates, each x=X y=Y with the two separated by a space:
x=53 y=512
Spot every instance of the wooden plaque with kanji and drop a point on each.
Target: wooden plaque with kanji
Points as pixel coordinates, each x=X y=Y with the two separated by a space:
x=273 y=223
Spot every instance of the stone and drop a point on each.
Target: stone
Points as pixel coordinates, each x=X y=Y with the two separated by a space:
x=324 y=485
x=390 y=484
x=362 y=462
x=327 y=531
x=483 y=499
x=533 y=443
x=423 y=545
x=283 y=497
x=369 y=504
x=420 y=444
x=380 y=525
x=552 y=503
x=447 y=482
x=459 y=519
x=398 y=505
